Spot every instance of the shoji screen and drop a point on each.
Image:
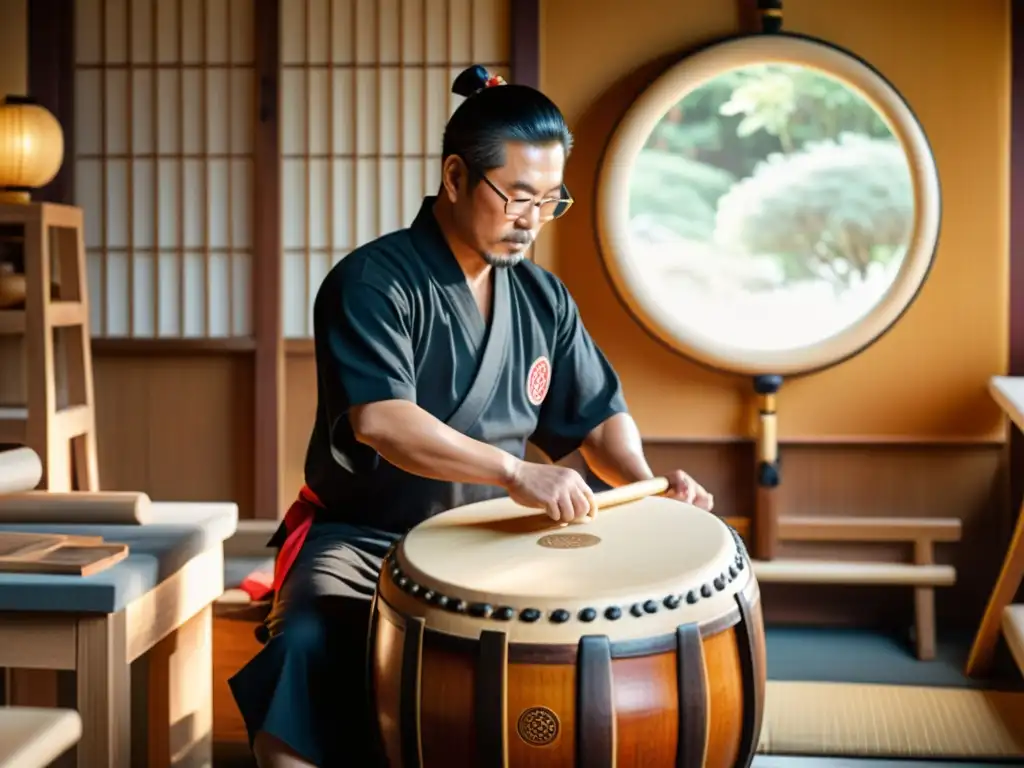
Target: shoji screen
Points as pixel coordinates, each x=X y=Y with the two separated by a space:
x=365 y=93
x=164 y=161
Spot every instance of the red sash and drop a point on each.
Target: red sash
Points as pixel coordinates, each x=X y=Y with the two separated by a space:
x=297 y=522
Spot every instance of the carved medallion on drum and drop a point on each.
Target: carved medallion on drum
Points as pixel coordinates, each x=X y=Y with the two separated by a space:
x=538 y=726
x=569 y=540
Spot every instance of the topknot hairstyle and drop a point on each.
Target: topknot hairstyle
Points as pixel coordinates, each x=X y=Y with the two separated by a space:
x=495 y=113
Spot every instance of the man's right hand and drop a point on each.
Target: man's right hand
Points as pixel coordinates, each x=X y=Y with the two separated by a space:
x=415 y=441
x=561 y=492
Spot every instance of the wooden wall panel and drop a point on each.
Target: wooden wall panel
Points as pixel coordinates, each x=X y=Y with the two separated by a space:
x=178 y=428
x=925 y=379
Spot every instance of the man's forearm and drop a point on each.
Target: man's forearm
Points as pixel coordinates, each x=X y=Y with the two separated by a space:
x=614 y=451
x=413 y=440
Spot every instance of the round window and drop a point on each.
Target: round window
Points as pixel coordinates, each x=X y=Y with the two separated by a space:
x=769 y=205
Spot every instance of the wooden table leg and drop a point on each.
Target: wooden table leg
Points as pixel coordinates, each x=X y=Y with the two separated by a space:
x=174 y=703
x=979 y=661
x=104 y=692
x=924 y=605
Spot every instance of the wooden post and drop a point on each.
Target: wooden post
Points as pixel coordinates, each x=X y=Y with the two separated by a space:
x=268 y=369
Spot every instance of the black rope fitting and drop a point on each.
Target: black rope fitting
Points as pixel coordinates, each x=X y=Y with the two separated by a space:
x=770 y=12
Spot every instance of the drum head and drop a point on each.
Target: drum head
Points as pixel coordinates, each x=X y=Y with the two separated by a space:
x=644 y=557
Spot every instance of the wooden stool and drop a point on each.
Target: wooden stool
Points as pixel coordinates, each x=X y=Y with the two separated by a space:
x=56 y=296
x=1008 y=392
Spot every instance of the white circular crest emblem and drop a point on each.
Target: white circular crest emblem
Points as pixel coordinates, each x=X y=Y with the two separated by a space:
x=538 y=380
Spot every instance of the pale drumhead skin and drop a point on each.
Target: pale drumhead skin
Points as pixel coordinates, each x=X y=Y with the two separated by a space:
x=499 y=566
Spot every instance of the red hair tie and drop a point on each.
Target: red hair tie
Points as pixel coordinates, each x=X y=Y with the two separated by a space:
x=494 y=80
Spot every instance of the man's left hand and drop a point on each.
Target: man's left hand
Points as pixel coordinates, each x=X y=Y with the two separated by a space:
x=682 y=487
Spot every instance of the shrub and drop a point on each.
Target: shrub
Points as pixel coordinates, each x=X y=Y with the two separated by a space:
x=679 y=193
x=828 y=211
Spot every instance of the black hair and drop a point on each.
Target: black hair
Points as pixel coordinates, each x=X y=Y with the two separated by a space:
x=492 y=115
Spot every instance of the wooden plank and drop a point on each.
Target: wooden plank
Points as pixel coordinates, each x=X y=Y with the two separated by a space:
x=924 y=604
x=869 y=529
x=37 y=641
x=103 y=692
x=67 y=559
x=853 y=573
x=155 y=615
x=172 y=709
x=28 y=544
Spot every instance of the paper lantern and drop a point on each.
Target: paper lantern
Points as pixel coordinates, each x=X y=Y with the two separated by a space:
x=31 y=148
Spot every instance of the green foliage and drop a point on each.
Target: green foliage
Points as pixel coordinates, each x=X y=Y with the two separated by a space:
x=767 y=101
x=740 y=117
x=828 y=211
x=823 y=187
x=681 y=194
x=684 y=138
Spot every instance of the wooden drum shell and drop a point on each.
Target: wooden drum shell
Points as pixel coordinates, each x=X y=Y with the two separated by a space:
x=689 y=699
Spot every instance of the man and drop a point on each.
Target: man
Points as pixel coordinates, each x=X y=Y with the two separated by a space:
x=440 y=351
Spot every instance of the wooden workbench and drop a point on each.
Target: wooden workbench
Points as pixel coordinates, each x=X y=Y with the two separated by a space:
x=137 y=636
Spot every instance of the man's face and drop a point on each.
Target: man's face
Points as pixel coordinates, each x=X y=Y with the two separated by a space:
x=501 y=233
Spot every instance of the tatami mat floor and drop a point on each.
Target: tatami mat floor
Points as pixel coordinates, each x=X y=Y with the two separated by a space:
x=855 y=656
x=861 y=656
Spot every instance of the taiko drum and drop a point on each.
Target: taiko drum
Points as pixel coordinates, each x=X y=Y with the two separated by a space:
x=502 y=639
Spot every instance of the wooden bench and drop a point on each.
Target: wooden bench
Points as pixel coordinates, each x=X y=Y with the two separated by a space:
x=923 y=575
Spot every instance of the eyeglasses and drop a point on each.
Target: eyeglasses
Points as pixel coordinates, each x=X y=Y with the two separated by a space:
x=549 y=208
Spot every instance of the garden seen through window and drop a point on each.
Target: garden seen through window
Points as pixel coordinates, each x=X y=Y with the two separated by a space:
x=770 y=208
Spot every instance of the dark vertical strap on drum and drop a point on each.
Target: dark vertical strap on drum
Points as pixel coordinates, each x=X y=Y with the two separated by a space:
x=491 y=697
x=595 y=712
x=753 y=706
x=371 y=681
x=409 y=704
x=691 y=679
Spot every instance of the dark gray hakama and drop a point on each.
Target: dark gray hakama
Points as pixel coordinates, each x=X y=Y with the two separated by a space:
x=307 y=686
